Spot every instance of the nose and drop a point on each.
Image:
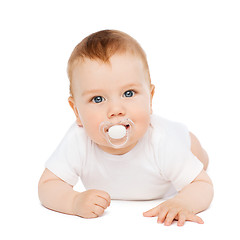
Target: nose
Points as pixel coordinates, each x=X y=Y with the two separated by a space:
x=116 y=109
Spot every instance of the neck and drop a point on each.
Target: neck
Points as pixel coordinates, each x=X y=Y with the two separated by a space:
x=117 y=151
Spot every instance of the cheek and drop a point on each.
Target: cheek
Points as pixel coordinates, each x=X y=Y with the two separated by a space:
x=142 y=107
x=141 y=115
x=91 y=122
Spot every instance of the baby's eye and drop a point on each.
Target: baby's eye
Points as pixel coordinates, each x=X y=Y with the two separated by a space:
x=129 y=93
x=98 y=99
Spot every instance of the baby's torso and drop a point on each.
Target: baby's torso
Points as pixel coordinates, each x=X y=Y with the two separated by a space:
x=132 y=176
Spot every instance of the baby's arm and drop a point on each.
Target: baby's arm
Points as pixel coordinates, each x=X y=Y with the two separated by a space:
x=191 y=200
x=198 y=150
x=59 y=196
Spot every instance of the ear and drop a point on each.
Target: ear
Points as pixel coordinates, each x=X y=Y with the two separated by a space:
x=74 y=108
x=152 y=91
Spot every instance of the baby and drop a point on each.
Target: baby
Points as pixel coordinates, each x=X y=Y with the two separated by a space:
x=118 y=147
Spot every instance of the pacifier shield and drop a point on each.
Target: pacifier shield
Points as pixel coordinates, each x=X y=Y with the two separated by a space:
x=117 y=134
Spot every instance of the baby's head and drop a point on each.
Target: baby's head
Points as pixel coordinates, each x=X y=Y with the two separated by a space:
x=101 y=46
x=110 y=82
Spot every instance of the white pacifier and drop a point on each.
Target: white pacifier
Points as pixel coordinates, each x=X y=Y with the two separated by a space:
x=117 y=135
x=117 y=131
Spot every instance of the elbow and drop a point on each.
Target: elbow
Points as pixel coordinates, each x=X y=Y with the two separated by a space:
x=206 y=160
x=40 y=191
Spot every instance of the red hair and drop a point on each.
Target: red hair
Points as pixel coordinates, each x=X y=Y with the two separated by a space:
x=102 y=46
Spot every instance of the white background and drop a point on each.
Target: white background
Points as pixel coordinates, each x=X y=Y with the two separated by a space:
x=194 y=58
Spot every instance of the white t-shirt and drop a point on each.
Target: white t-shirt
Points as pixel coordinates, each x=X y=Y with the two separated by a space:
x=161 y=160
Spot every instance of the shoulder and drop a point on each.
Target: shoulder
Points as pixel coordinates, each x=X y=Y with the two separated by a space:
x=73 y=143
x=75 y=134
x=173 y=134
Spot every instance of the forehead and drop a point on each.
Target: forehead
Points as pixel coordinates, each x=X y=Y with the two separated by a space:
x=122 y=69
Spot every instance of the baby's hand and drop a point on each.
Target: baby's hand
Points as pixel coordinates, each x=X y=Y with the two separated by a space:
x=173 y=209
x=91 y=203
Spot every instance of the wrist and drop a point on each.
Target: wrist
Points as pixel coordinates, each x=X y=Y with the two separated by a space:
x=75 y=203
x=182 y=201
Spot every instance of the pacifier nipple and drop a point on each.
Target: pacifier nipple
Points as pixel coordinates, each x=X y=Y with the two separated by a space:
x=117 y=131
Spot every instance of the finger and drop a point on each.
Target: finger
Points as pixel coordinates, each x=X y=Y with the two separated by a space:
x=181 y=219
x=152 y=212
x=89 y=215
x=98 y=210
x=170 y=217
x=194 y=218
x=93 y=215
x=162 y=215
x=102 y=202
x=105 y=196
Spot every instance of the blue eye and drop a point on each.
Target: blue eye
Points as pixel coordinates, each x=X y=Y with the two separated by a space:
x=98 y=99
x=129 y=93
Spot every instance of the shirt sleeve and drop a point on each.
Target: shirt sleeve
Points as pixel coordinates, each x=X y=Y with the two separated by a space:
x=179 y=165
x=66 y=160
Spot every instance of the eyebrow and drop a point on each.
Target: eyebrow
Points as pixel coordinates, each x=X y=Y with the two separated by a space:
x=92 y=91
